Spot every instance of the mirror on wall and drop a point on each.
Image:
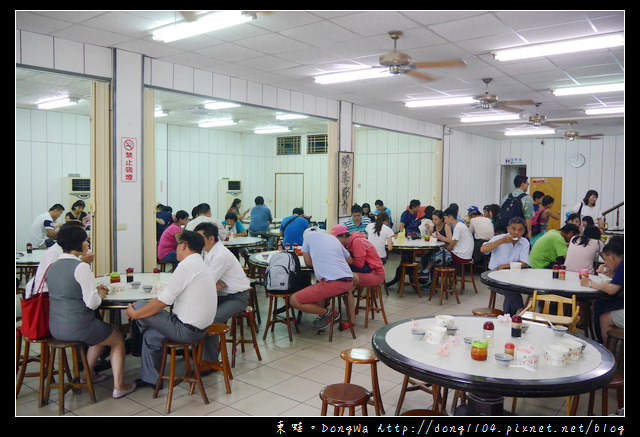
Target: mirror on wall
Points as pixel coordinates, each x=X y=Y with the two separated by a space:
x=204 y=145
x=52 y=149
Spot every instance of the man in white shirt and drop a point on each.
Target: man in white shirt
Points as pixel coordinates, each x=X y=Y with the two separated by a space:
x=194 y=307
x=204 y=216
x=461 y=242
x=44 y=228
x=232 y=284
x=481 y=228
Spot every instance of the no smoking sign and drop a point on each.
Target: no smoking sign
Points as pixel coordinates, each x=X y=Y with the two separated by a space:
x=128 y=159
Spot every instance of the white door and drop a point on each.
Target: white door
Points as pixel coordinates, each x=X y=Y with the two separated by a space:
x=289 y=193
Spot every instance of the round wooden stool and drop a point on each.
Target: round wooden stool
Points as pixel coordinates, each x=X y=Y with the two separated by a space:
x=192 y=376
x=23 y=359
x=615 y=343
x=447 y=278
x=343 y=396
x=289 y=316
x=486 y=312
x=373 y=303
x=344 y=297
x=414 y=277
x=364 y=356
x=422 y=413
x=463 y=278
x=74 y=383
x=222 y=365
x=238 y=321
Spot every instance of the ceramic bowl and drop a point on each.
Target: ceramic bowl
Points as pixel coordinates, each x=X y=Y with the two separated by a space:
x=147 y=288
x=418 y=332
x=135 y=284
x=503 y=359
x=559 y=330
x=451 y=330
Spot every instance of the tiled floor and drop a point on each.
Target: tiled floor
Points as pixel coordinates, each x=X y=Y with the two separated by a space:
x=291 y=374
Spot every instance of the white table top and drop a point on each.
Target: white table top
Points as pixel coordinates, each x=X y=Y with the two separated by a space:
x=542 y=279
x=30 y=258
x=129 y=294
x=459 y=358
x=244 y=241
x=417 y=244
x=263 y=258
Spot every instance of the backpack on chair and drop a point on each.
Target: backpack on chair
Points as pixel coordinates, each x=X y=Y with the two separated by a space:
x=282 y=274
x=512 y=207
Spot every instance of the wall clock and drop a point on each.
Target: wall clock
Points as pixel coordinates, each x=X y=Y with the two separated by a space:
x=577 y=160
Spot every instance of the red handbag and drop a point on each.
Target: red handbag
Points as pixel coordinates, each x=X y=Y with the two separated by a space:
x=35 y=314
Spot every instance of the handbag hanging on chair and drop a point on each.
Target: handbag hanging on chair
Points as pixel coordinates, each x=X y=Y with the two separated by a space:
x=35 y=313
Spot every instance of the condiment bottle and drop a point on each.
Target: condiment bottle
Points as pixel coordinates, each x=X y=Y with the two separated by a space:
x=479 y=349
x=29 y=248
x=115 y=277
x=509 y=348
x=488 y=332
x=516 y=326
x=562 y=274
x=130 y=274
x=156 y=275
x=556 y=271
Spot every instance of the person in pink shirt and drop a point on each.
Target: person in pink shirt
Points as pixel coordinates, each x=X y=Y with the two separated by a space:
x=583 y=250
x=169 y=239
x=366 y=264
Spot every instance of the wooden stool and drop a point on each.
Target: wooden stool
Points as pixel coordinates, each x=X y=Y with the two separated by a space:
x=414 y=283
x=364 y=356
x=253 y=301
x=273 y=317
x=74 y=383
x=345 y=299
x=23 y=359
x=163 y=265
x=422 y=413
x=219 y=329
x=344 y=396
x=192 y=376
x=238 y=320
x=447 y=278
x=463 y=279
x=486 y=312
x=373 y=294
x=615 y=338
x=409 y=384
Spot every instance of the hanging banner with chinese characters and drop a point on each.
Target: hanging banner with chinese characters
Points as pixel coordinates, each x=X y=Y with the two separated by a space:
x=128 y=159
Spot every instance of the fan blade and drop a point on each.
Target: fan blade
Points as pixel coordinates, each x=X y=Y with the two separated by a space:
x=502 y=106
x=441 y=64
x=517 y=102
x=420 y=75
x=189 y=15
x=590 y=137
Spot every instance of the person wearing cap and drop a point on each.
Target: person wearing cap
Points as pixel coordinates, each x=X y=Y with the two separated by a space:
x=330 y=262
x=365 y=262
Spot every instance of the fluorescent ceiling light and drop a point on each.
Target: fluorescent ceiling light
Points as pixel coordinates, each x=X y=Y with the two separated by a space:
x=560 y=47
x=58 y=103
x=440 y=102
x=602 y=111
x=347 y=76
x=160 y=113
x=220 y=105
x=537 y=131
x=218 y=122
x=290 y=116
x=590 y=89
x=203 y=24
x=271 y=130
x=496 y=117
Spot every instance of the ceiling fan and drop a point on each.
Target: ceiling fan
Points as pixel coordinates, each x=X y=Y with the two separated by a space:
x=401 y=63
x=490 y=101
x=573 y=135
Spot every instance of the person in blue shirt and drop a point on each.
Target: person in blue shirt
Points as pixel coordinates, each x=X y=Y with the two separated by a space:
x=232 y=223
x=379 y=204
x=409 y=219
x=505 y=249
x=293 y=227
x=261 y=218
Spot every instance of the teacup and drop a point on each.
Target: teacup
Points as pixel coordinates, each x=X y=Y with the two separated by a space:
x=435 y=334
x=527 y=356
x=556 y=355
x=515 y=266
x=117 y=287
x=418 y=332
x=445 y=321
x=575 y=348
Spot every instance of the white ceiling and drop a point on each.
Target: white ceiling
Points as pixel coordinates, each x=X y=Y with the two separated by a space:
x=287 y=49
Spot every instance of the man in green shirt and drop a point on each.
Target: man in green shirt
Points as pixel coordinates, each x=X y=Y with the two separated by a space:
x=551 y=246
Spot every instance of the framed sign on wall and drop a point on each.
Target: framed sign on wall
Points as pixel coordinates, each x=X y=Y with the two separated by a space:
x=345 y=183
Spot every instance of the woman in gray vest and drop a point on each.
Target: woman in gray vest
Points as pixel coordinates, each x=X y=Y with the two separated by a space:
x=74 y=297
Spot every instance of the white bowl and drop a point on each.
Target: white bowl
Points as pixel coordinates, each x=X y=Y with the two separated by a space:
x=147 y=288
x=135 y=284
x=503 y=359
x=559 y=330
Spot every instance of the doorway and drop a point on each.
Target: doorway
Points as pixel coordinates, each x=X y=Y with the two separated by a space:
x=289 y=193
x=507 y=174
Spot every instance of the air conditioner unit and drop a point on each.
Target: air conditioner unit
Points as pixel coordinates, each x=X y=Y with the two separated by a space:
x=77 y=188
x=228 y=190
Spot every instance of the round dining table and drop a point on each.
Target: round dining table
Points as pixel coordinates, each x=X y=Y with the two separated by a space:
x=244 y=242
x=260 y=260
x=121 y=299
x=30 y=259
x=449 y=363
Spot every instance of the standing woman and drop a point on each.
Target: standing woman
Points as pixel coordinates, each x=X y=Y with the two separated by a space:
x=74 y=297
x=235 y=208
x=588 y=207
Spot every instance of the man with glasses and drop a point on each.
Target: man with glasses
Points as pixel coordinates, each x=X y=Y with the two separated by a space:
x=194 y=307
